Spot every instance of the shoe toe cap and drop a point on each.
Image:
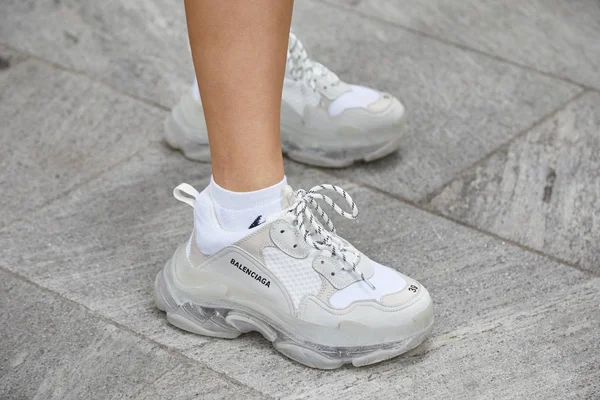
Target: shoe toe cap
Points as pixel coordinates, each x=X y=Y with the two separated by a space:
x=410 y=293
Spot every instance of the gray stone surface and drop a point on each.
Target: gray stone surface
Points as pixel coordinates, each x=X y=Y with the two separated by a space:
x=558 y=37
x=53 y=349
x=59 y=130
x=542 y=190
x=192 y=382
x=139 y=47
x=461 y=105
x=492 y=299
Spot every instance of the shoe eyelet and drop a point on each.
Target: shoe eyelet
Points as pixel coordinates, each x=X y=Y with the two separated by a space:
x=281 y=231
x=295 y=245
x=333 y=274
x=322 y=262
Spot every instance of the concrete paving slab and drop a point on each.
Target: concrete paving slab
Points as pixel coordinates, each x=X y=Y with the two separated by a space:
x=139 y=47
x=542 y=190
x=59 y=130
x=53 y=349
x=491 y=298
x=553 y=36
x=192 y=382
x=460 y=105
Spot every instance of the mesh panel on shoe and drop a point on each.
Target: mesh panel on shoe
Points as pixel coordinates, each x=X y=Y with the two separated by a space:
x=296 y=275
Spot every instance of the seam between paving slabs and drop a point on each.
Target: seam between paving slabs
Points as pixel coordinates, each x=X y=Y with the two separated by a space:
x=477 y=229
x=24 y=57
x=84 y=73
x=175 y=353
x=159 y=377
x=429 y=197
x=456 y=44
x=149 y=384
x=91 y=178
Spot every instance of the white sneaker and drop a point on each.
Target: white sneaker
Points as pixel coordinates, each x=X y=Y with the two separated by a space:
x=324 y=121
x=293 y=279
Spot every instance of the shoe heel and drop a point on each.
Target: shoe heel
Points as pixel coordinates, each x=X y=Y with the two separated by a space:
x=162 y=295
x=189 y=316
x=184 y=136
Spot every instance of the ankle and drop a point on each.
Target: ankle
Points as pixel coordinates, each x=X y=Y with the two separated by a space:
x=246 y=183
x=219 y=212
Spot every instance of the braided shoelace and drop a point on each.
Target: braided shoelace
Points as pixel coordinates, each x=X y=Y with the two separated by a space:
x=315 y=234
x=301 y=66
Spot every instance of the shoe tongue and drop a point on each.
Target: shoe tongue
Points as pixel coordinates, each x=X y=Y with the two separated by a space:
x=287 y=197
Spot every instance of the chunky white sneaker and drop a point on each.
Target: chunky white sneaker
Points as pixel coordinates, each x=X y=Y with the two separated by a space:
x=293 y=279
x=324 y=121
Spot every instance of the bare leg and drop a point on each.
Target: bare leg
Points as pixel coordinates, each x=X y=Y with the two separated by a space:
x=239 y=50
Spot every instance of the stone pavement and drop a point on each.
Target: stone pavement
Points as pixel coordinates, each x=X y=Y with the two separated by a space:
x=493 y=203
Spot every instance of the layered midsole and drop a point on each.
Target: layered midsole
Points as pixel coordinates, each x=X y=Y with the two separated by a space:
x=221 y=294
x=188 y=113
x=345 y=137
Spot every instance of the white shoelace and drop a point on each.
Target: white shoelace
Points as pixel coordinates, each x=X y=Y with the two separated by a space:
x=326 y=238
x=301 y=67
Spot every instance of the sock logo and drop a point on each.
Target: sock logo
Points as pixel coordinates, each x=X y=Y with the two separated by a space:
x=256 y=222
x=251 y=273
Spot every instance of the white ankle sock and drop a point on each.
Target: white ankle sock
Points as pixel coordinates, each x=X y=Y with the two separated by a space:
x=240 y=211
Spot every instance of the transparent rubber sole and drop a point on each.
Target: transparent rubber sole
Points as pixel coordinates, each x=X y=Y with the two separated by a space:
x=181 y=136
x=229 y=323
x=300 y=146
x=340 y=157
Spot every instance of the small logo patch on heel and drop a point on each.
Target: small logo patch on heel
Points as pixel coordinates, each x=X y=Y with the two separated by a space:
x=258 y=221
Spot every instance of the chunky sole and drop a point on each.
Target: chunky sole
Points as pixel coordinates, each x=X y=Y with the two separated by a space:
x=304 y=147
x=227 y=320
x=183 y=136
x=342 y=157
